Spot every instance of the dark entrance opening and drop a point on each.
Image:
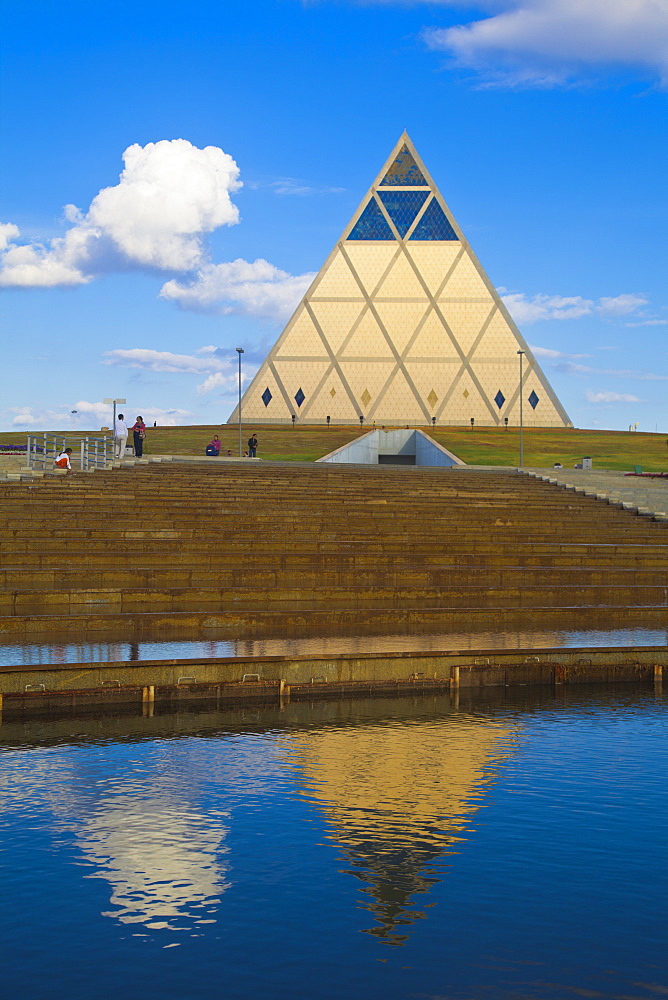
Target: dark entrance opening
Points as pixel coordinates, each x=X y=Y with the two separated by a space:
x=396 y=459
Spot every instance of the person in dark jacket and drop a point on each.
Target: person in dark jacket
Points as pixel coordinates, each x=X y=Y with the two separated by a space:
x=138 y=435
x=252 y=445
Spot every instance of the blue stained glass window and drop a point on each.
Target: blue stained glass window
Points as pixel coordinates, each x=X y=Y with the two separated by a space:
x=434 y=224
x=499 y=399
x=299 y=397
x=404 y=172
x=403 y=206
x=372 y=224
x=533 y=400
x=266 y=397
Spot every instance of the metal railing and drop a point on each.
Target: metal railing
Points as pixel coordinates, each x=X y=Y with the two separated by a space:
x=42 y=450
x=94 y=452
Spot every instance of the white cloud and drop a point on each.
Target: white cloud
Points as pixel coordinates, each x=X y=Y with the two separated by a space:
x=610 y=397
x=91 y=415
x=548 y=352
x=650 y=322
x=37 y=266
x=214 y=362
x=169 y=196
x=526 y=309
x=552 y=42
x=220 y=381
x=620 y=305
x=257 y=289
x=292 y=186
x=166 y=361
x=570 y=368
x=530 y=310
x=8 y=233
x=170 y=193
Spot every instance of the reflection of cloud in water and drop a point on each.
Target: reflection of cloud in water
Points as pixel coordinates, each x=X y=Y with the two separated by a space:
x=161 y=860
x=399 y=795
x=148 y=822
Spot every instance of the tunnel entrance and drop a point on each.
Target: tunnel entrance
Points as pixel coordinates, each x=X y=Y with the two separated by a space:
x=397 y=460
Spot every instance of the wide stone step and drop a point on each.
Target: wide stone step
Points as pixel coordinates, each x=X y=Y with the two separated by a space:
x=409 y=575
x=175 y=599
x=203 y=557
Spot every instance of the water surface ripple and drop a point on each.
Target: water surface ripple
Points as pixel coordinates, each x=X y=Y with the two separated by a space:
x=512 y=845
x=421 y=639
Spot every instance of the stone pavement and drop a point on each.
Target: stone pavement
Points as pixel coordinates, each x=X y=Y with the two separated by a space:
x=647 y=496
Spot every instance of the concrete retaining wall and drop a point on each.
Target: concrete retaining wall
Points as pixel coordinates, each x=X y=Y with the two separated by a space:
x=44 y=687
x=402 y=441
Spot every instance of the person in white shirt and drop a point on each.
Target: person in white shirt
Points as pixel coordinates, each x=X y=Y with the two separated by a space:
x=62 y=461
x=120 y=436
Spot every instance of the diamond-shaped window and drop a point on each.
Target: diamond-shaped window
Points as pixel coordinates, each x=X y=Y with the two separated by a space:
x=299 y=397
x=366 y=397
x=499 y=399
x=266 y=397
x=372 y=224
x=432 y=398
x=403 y=206
x=533 y=400
x=404 y=172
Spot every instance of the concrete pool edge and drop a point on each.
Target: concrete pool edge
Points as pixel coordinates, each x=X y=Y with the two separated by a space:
x=27 y=689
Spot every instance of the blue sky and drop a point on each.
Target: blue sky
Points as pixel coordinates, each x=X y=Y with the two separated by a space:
x=173 y=174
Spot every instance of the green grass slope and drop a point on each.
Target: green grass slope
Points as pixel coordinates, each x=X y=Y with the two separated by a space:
x=482 y=446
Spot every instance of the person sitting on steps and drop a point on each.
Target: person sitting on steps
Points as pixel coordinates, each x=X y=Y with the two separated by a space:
x=62 y=461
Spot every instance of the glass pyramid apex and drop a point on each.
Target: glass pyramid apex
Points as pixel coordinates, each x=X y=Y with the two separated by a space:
x=404 y=171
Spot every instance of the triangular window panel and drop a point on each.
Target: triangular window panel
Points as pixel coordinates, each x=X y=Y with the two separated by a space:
x=402 y=207
x=404 y=172
x=434 y=225
x=372 y=224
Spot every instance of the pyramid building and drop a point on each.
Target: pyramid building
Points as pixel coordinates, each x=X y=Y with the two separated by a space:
x=401 y=325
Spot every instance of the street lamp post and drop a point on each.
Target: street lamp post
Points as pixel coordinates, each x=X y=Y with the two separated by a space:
x=240 y=351
x=521 y=356
x=114 y=401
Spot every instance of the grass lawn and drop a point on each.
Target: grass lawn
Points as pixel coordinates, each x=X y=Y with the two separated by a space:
x=481 y=446
x=543 y=446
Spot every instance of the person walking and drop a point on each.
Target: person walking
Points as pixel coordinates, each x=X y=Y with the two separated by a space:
x=252 y=445
x=138 y=435
x=120 y=436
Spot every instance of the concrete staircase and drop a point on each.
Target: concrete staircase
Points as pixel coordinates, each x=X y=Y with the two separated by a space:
x=299 y=539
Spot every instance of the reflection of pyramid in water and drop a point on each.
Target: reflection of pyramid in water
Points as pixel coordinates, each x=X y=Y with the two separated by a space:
x=399 y=797
x=401 y=324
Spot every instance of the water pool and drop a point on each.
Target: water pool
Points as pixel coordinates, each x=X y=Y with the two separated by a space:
x=16 y=654
x=513 y=846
